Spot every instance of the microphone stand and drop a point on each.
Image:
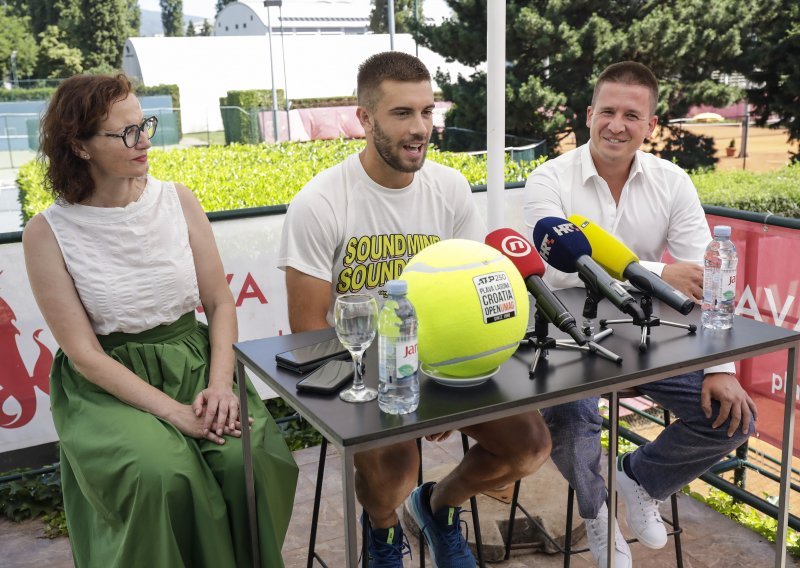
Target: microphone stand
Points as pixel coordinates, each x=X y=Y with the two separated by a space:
x=646 y=303
x=542 y=343
x=593 y=297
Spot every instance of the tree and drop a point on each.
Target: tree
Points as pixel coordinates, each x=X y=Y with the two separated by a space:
x=207 y=29
x=556 y=50
x=134 y=18
x=404 y=19
x=172 y=17
x=772 y=63
x=16 y=38
x=101 y=34
x=221 y=4
x=56 y=58
x=190 y=31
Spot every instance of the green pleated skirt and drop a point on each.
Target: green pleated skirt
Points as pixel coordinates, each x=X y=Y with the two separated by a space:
x=137 y=492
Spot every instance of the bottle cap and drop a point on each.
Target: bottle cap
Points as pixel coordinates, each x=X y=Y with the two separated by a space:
x=397 y=287
x=722 y=231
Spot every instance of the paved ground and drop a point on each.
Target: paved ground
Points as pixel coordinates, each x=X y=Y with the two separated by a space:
x=710 y=540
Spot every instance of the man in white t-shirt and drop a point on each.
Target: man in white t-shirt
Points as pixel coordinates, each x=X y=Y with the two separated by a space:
x=651 y=205
x=352 y=229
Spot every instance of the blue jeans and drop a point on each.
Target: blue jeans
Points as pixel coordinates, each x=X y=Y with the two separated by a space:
x=677 y=456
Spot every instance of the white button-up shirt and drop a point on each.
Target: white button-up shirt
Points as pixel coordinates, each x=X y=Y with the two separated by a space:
x=658 y=210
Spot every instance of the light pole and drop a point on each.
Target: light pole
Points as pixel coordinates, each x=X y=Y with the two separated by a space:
x=390 y=23
x=267 y=5
x=14 y=79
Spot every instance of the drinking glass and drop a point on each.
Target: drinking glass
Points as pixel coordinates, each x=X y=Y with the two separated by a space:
x=356 y=317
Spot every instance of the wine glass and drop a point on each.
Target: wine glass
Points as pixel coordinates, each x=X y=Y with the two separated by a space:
x=356 y=317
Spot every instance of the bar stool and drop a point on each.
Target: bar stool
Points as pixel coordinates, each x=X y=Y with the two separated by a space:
x=567 y=550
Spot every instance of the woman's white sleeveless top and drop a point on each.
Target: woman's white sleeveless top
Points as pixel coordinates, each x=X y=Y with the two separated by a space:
x=132 y=266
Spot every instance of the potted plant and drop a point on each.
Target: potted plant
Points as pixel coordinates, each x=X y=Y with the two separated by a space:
x=731 y=149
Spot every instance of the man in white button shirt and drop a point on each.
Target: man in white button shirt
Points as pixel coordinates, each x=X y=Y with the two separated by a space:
x=651 y=205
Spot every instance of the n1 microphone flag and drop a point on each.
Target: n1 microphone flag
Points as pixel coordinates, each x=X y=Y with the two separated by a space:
x=519 y=251
x=623 y=264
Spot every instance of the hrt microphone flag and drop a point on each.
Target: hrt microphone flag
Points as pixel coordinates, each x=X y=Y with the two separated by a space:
x=518 y=250
x=564 y=247
x=623 y=264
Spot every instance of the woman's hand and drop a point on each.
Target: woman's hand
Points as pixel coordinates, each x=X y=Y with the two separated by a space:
x=218 y=406
x=185 y=419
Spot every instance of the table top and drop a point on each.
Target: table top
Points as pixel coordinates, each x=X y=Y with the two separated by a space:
x=565 y=375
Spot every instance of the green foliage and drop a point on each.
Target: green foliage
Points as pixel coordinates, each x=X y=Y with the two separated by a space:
x=101 y=34
x=690 y=151
x=190 y=31
x=172 y=17
x=240 y=176
x=207 y=28
x=172 y=90
x=31 y=496
x=56 y=57
x=221 y=4
x=16 y=37
x=548 y=90
x=298 y=433
x=771 y=60
x=776 y=192
x=134 y=17
x=747 y=516
x=404 y=17
x=324 y=102
x=39 y=94
x=240 y=117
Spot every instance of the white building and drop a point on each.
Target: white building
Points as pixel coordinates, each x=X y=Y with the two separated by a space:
x=337 y=17
x=306 y=66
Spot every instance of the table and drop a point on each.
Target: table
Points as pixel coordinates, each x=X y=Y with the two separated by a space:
x=564 y=376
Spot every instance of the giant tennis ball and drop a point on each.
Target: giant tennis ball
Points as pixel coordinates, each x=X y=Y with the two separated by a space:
x=472 y=306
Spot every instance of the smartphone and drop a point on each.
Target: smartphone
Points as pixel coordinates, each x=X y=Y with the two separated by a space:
x=309 y=357
x=328 y=378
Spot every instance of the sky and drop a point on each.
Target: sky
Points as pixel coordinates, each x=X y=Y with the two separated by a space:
x=205 y=8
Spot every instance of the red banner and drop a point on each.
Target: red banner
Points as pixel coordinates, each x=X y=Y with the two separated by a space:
x=766 y=290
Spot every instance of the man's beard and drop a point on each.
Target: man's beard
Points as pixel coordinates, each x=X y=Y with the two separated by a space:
x=385 y=149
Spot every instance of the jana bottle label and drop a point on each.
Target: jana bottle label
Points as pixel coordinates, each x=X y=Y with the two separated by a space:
x=727 y=285
x=406 y=358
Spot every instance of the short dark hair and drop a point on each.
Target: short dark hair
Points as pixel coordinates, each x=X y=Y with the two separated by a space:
x=629 y=73
x=74 y=113
x=389 y=65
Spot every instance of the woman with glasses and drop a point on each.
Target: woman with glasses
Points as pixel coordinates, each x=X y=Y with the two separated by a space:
x=142 y=394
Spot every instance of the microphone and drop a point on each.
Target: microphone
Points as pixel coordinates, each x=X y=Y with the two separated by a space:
x=518 y=250
x=621 y=263
x=564 y=247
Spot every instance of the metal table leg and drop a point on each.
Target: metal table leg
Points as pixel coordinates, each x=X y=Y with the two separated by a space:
x=349 y=507
x=786 y=458
x=241 y=383
x=613 y=426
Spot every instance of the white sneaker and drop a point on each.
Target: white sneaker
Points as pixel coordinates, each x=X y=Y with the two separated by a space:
x=597 y=534
x=642 y=514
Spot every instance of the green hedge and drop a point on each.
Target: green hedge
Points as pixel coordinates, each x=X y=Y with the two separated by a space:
x=776 y=192
x=44 y=93
x=325 y=102
x=240 y=176
x=172 y=90
x=14 y=95
x=240 y=121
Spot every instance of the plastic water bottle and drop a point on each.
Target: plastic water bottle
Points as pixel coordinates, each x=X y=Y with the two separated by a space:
x=719 y=280
x=398 y=364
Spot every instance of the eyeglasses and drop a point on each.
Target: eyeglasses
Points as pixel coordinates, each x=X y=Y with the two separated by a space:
x=130 y=136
